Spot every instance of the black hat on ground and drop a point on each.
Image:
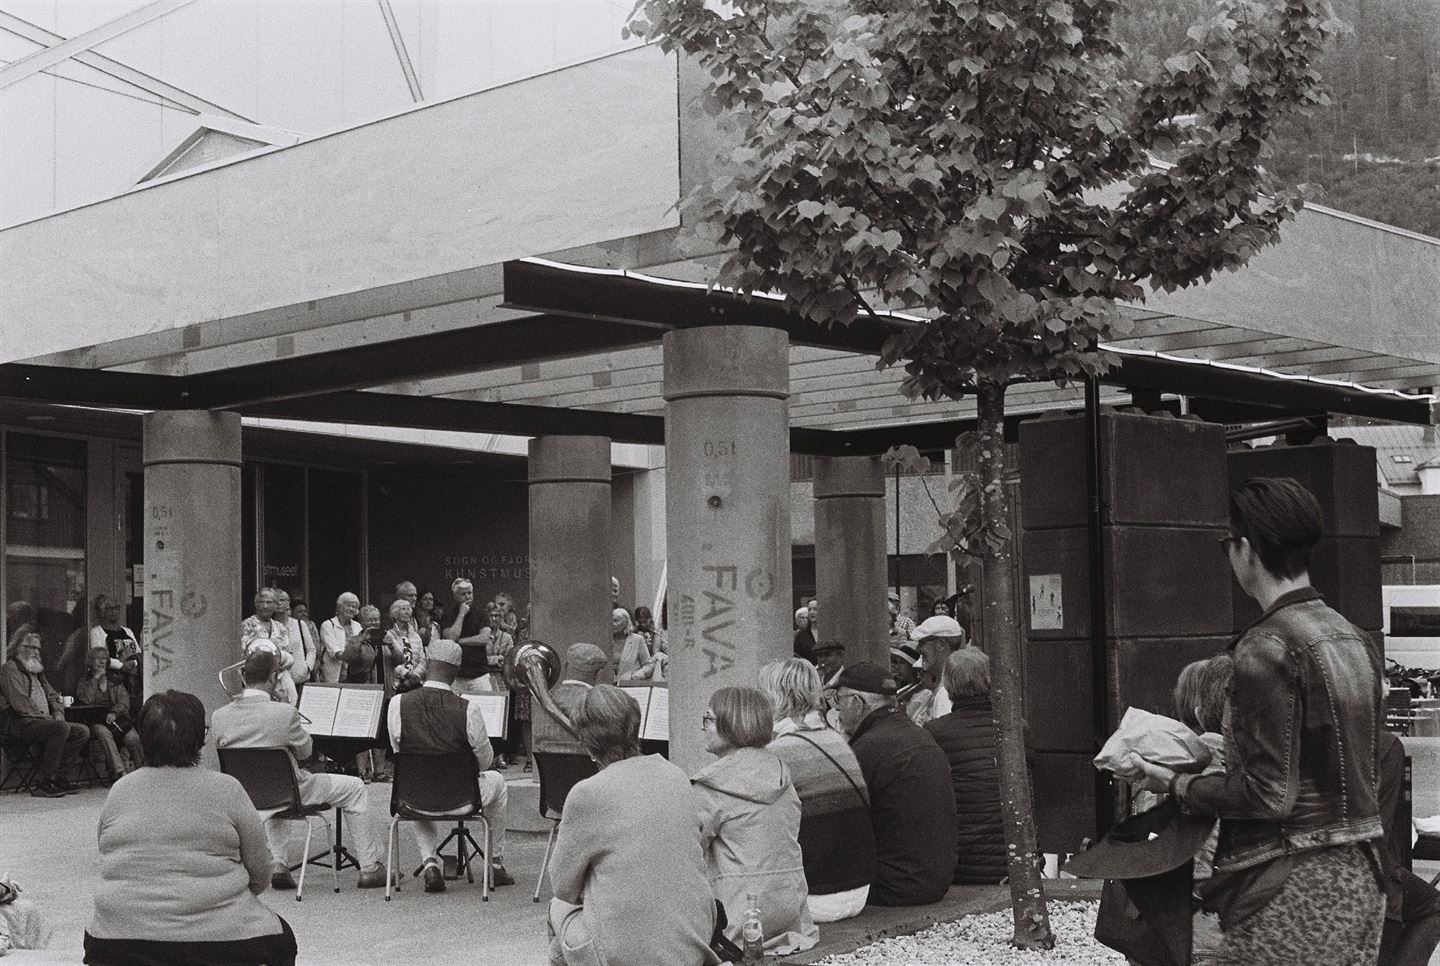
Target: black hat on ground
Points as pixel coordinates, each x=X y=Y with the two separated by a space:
x=867 y=677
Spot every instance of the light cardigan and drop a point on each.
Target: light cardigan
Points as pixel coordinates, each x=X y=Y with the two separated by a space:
x=628 y=851
x=188 y=873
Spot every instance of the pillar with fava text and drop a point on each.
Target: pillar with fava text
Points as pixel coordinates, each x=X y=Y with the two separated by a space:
x=850 y=565
x=569 y=541
x=727 y=513
x=192 y=551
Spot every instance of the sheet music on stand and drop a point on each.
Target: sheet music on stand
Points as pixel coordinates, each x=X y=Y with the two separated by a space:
x=496 y=710
x=654 y=711
x=342 y=710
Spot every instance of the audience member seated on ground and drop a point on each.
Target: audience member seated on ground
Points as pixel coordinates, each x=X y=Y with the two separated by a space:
x=628 y=869
x=254 y=720
x=32 y=712
x=263 y=628
x=96 y=688
x=935 y=638
x=750 y=823
x=337 y=635
x=468 y=625
x=914 y=698
x=182 y=857
x=631 y=660
x=836 y=840
x=1412 y=906
x=912 y=805
x=554 y=711
x=434 y=720
x=967 y=737
x=404 y=651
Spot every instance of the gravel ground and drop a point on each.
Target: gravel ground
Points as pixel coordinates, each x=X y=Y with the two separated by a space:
x=985 y=940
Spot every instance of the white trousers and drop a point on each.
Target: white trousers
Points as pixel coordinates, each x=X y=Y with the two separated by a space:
x=345 y=792
x=495 y=797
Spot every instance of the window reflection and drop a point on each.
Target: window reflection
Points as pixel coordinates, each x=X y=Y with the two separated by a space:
x=45 y=539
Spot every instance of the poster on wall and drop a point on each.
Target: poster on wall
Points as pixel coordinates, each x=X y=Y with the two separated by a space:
x=1047 y=603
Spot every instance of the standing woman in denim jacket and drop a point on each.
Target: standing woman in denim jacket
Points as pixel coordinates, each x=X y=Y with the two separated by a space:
x=1297 y=879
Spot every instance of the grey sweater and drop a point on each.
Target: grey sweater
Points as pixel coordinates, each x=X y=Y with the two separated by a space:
x=189 y=873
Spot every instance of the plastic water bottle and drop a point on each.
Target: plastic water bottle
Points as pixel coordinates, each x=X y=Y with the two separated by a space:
x=752 y=934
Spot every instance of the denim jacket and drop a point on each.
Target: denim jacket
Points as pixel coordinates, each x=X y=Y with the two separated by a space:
x=1301 y=730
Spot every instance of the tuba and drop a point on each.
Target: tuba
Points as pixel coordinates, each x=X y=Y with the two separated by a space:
x=525 y=655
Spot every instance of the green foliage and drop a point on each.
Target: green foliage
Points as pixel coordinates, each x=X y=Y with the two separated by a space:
x=985 y=162
x=1384 y=80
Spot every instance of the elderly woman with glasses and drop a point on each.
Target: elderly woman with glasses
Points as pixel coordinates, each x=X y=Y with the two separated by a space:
x=837 y=842
x=750 y=814
x=628 y=870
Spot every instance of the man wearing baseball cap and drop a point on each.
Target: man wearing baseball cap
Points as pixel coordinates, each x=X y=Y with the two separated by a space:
x=912 y=803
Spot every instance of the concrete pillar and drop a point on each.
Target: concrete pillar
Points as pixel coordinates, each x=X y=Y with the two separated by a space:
x=570 y=540
x=850 y=571
x=727 y=513
x=192 y=551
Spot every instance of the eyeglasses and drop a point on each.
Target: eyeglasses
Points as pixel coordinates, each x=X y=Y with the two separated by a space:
x=707 y=719
x=1228 y=541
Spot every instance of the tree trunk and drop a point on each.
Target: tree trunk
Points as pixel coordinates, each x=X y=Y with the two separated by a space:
x=1002 y=641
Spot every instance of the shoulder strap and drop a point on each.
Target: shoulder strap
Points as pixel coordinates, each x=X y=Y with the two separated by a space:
x=830 y=758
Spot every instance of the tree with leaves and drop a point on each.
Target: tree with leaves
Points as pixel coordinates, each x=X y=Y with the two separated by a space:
x=987 y=164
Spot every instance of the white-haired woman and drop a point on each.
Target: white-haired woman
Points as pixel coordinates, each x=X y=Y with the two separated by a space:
x=403 y=649
x=837 y=841
x=630 y=656
x=335 y=635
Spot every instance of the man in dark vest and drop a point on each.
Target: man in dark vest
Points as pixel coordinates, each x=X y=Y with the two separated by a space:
x=432 y=719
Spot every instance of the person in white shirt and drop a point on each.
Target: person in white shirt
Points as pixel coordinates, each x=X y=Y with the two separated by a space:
x=936 y=637
x=432 y=719
x=302 y=652
x=338 y=631
x=309 y=634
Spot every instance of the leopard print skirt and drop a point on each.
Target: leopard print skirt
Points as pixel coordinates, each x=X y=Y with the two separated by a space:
x=1329 y=912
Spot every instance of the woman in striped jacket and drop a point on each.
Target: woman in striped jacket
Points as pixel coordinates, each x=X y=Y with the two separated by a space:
x=837 y=842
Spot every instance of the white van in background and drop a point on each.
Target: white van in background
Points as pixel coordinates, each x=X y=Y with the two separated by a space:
x=1412 y=624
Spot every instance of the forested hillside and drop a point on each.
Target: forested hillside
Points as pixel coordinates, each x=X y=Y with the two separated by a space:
x=1375 y=151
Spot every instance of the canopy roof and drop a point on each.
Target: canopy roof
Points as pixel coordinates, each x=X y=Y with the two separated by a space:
x=387 y=274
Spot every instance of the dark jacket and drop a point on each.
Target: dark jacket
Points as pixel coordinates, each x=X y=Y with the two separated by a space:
x=967 y=736
x=912 y=809
x=1301 y=731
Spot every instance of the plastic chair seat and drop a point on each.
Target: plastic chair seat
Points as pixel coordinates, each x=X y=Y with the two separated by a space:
x=558 y=774
x=440 y=787
x=270 y=778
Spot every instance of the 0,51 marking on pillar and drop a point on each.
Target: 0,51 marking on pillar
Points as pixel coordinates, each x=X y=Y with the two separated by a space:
x=718 y=448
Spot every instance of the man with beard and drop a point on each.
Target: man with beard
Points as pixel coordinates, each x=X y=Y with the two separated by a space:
x=33 y=712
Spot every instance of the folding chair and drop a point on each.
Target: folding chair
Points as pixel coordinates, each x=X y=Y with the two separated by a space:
x=558 y=774
x=270 y=779
x=443 y=787
x=21 y=761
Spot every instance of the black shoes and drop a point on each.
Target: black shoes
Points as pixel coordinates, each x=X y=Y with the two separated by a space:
x=46 y=788
x=499 y=877
x=64 y=787
x=280 y=877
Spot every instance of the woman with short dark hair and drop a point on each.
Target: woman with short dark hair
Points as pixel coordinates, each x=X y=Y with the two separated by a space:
x=627 y=871
x=1295 y=870
x=180 y=885
x=750 y=813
